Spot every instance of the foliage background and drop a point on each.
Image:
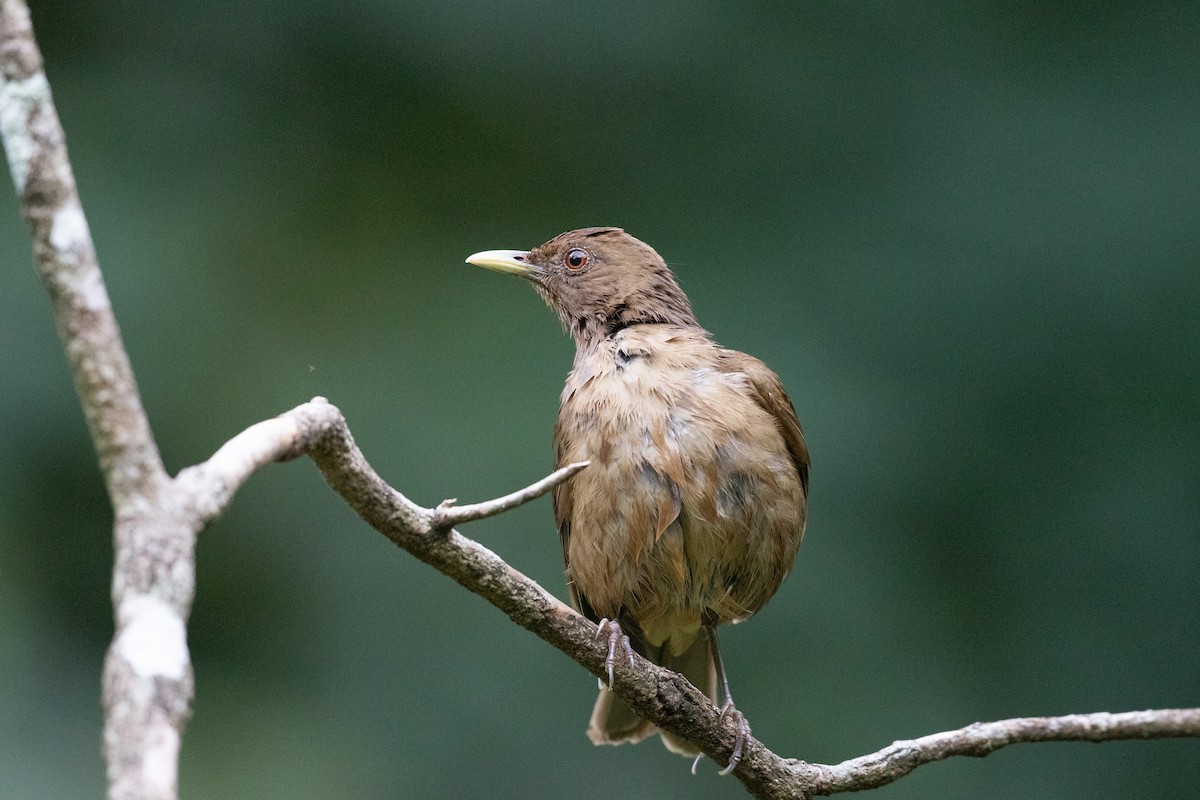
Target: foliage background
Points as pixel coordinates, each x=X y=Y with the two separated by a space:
x=965 y=234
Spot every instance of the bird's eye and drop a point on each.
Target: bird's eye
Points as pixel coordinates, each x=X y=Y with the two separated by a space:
x=576 y=259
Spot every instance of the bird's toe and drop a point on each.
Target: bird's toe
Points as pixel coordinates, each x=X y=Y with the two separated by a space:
x=616 y=638
x=741 y=735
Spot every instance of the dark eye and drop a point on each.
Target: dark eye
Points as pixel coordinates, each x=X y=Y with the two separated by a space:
x=576 y=258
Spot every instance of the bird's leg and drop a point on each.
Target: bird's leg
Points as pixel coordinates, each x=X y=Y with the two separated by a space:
x=741 y=726
x=615 y=637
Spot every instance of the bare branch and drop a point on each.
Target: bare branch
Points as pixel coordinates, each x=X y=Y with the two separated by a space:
x=209 y=487
x=447 y=515
x=980 y=739
x=659 y=694
x=147 y=673
x=66 y=259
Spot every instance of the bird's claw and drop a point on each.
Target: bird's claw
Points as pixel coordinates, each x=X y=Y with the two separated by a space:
x=615 y=637
x=741 y=736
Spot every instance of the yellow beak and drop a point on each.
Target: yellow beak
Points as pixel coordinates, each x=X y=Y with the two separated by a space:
x=510 y=262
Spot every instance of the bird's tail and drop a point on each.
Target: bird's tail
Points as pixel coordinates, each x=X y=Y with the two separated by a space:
x=614 y=722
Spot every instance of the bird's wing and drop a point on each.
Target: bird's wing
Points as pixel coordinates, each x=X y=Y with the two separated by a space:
x=564 y=502
x=774 y=400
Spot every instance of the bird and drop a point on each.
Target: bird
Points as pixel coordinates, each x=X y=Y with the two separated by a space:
x=694 y=504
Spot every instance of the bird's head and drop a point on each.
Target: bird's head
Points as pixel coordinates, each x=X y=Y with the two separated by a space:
x=598 y=281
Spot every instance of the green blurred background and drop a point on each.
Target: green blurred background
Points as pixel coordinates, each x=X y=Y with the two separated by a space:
x=965 y=235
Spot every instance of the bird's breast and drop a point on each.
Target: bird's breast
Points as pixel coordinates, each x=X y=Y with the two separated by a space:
x=691 y=505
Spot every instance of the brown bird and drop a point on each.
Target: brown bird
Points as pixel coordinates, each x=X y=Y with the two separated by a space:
x=695 y=501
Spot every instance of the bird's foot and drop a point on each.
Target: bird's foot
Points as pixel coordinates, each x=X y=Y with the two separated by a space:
x=742 y=735
x=615 y=637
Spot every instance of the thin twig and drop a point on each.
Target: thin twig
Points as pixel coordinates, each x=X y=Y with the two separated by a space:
x=447 y=515
x=981 y=738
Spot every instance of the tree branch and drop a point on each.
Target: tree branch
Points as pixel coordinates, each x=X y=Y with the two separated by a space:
x=147 y=680
x=447 y=515
x=318 y=429
x=147 y=673
x=981 y=738
x=62 y=246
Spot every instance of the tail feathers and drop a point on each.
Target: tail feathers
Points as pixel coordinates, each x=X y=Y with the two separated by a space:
x=614 y=722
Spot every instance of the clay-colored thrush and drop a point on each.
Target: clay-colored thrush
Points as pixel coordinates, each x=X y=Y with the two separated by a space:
x=694 y=504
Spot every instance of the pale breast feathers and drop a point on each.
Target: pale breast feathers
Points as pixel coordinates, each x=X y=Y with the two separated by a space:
x=685 y=438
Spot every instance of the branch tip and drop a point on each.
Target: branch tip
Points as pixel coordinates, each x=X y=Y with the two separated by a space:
x=447 y=515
